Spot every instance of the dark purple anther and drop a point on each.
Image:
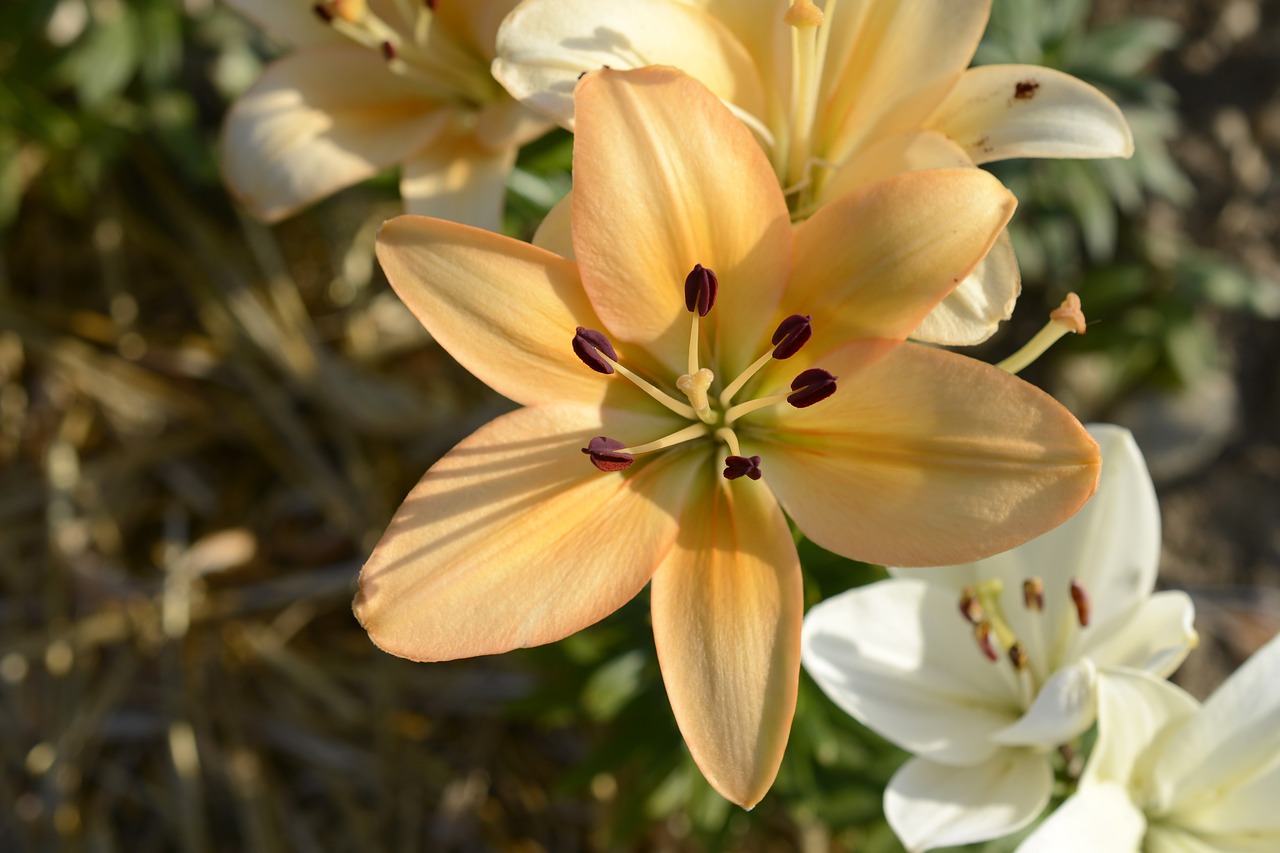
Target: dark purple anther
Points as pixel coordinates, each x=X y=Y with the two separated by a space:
x=793 y=333
x=741 y=466
x=592 y=347
x=700 y=288
x=605 y=454
x=388 y=51
x=1081 y=600
x=431 y=4
x=1018 y=656
x=323 y=12
x=811 y=386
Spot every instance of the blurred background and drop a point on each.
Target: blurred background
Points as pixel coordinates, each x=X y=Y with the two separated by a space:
x=205 y=423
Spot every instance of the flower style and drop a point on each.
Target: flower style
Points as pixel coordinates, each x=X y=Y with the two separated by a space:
x=1169 y=776
x=839 y=93
x=701 y=364
x=982 y=670
x=373 y=83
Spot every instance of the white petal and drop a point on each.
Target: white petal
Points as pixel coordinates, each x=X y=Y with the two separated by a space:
x=458 y=179
x=1134 y=711
x=1231 y=749
x=931 y=805
x=1156 y=636
x=899 y=657
x=1099 y=818
x=971 y=313
x=1000 y=111
x=320 y=120
x=1064 y=708
x=545 y=45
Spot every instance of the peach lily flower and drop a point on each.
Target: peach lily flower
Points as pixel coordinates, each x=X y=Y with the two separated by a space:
x=372 y=84
x=839 y=94
x=700 y=368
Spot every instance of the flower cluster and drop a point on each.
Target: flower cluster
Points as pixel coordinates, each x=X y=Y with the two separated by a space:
x=719 y=336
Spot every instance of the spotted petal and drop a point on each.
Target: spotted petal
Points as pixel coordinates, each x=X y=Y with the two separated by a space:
x=727 y=607
x=1001 y=111
x=513 y=539
x=319 y=120
x=923 y=457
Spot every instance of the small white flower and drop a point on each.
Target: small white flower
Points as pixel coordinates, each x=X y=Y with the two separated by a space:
x=1168 y=776
x=982 y=670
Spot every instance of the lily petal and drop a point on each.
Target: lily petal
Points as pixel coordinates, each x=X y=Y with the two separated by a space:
x=555 y=234
x=931 y=805
x=505 y=310
x=974 y=310
x=1098 y=817
x=665 y=178
x=978 y=460
x=1001 y=111
x=1156 y=637
x=507 y=123
x=459 y=179
x=513 y=539
x=1064 y=708
x=893 y=155
x=474 y=23
x=891 y=63
x=875 y=262
x=1135 y=711
x=1223 y=771
x=727 y=607
x=929 y=691
x=544 y=46
x=319 y=120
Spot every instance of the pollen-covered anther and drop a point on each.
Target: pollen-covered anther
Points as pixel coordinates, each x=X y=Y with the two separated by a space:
x=1018 y=657
x=1080 y=598
x=594 y=349
x=970 y=607
x=388 y=51
x=742 y=466
x=811 y=386
x=606 y=454
x=700 y=289
x=792 y=334
x=982 y=634
x=1033 y=594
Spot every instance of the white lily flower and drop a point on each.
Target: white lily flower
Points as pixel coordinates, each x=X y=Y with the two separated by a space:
x=983 y=670
x=839 y=93
x=369 y=85
x=1168 y=776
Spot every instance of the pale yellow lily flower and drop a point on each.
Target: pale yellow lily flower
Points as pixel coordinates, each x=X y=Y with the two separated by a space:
x=372 y=84
x=716 y=366
x=840 y=93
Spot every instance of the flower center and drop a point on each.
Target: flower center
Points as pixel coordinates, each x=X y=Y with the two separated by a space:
x=981 y=607
x=713 y=415
x=417 y=49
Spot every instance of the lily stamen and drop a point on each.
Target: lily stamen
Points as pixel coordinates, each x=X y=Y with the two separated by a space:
x=689 y=433
x=700 y=288
x=1080 y=598
x=1067 y=317
x=597 y=352
x=1033 y=594
x=742 y=466
x=792 y=334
